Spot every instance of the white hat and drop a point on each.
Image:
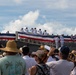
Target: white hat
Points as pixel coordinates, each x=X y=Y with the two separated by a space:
x=47 y=47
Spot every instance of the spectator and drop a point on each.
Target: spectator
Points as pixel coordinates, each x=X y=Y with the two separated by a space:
x=1 y=52
x=62 y=66
x=28 y=60
x=72 y=57
x=41 y=47
x=47 y=48
x=41 y=68
x=12 y=64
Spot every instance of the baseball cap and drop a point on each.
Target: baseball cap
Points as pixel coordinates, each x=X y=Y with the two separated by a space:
x=40 y=53
x=65 y=50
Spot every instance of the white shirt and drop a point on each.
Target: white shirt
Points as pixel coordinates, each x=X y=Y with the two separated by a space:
x=50 y=59
x=61 y=67
x=45 y=33
x=32 y=30
x=35 y=31
x=26 y=30
x=56 y=39
x=74 y=71
x=40 y=32
x=61 y=38
x=22 y=30
x=29 y=63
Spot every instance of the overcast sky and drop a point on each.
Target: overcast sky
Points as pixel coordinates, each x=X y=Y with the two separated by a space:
x=56 y=16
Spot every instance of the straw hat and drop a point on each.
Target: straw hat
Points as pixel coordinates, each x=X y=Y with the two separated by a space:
x=11 y=46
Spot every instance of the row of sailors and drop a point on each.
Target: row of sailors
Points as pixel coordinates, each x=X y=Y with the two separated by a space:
x=34 y=31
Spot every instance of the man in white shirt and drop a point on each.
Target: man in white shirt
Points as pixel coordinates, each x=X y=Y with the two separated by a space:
x=28 y=60
x=32 y=30
x=61 y=40
x=40 y=31
x=50 y=58
x=26 y=30
x=45 y=32
x=56 y=42
x=22 y=30
x=35 y=31
x=62 y=66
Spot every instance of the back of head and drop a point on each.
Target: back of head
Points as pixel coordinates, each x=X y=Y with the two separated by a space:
x=25 y=50
x=11 y=46
x=41 y=47
x=42 y=55
x=1 y=46
x=72 y=56
x=64 y=50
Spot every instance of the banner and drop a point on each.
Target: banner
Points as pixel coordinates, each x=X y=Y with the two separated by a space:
x=48 y=38
x=7 y=36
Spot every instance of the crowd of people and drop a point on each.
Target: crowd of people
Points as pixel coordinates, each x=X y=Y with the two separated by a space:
x=45 y=61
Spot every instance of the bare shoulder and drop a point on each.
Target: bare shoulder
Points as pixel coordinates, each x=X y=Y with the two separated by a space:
x=32 y=70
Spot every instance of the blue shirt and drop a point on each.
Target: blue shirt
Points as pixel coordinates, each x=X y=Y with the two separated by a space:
x=12 y=65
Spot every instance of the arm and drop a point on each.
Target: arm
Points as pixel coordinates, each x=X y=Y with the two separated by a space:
x=52 y=49
x=32 y=70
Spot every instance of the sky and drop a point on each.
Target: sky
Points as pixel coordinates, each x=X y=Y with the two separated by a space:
x=55 y=16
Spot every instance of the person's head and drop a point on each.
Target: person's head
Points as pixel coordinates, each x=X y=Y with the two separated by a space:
x=25 y=50
x=31 y=28
x=72 y=56
x=11 y=48
x=73 y=51
x=56 y=52
x=26 y=27
x=34 y=28
x=45 y=30
x=44 y=47
x=47 y=48
x=41 y=56
x=40 y=29
x=41 y=47
x=64 y=52
x=1 y=46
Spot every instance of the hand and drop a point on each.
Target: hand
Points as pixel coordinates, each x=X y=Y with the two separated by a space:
x=52 y=49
